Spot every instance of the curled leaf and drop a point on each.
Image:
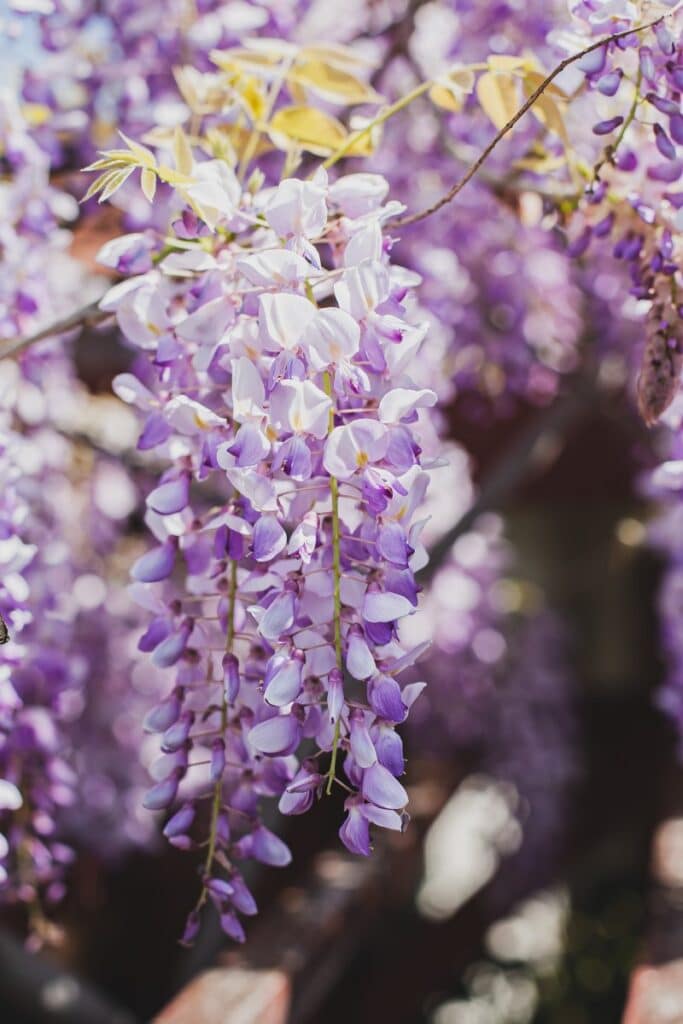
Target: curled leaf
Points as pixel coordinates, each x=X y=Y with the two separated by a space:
x=332 y=83
x=307 y=127
x=497 y=94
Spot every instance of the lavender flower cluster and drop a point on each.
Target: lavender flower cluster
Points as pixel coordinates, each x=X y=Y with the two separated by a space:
x=281 y=382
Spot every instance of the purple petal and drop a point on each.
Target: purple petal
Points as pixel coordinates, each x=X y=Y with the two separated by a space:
x=217 y=760
x=605 y=127
x=362 y=747
x=269 y=539
x=242 y=898
x=170 y=497
x=170 y=650
x=389 y=747
x=393 y=545
x=161 y=796
x=156 y=564
x=230 y=923
x=269 y=849
x=380 y=787
x=231 y=677
x=161 y=717
x=359 y=661
x=384 y=695
x=279 y=735
x=385 y=607
x=180 y=822
x=335 y=694
x=250 y=446
x=355 y=832
x=676 y=128
x=156 y=430
x=283 y=680
x=279 y=617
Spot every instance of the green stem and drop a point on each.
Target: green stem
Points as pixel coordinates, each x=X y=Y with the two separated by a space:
x=336 y=577
x=218 y=785
x=383 y=116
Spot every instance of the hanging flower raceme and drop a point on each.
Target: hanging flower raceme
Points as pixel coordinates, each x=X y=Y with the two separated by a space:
x=278 y=388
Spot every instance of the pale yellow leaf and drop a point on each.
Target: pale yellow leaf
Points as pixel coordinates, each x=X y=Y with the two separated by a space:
x=335 y=53
x=148 y=181
x=450 y=90
x=546 y=108
x=442 y=97
x=307 y=127
x=182 y=152
x=498 y=97
x=333 y=83
x=508 y=62
x=95 y=186
x=145 y=156
x=172 y=177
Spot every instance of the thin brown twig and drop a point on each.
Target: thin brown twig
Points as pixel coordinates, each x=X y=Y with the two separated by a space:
x=85 y=316
x=414 y=218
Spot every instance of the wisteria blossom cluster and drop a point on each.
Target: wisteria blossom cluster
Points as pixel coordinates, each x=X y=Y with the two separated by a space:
x=52 y=588
x=279 y=379
x=291 y=341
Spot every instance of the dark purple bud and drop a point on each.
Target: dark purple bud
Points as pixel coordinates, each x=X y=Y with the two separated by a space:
x=269 y=849
x=676 y=128
x=231 y=677
x=156 y=430
x=242 y=898
x=157 y=631
x=662 y=104
x=605 y=127
x=609 y=83
x=217 y=760
x=180 y=822
x=603 y=227
x=221 y=889
x=230 y=923
x=176 y=736
x=170 y=650
x=668 y=172
x=191 y=929
x=170 y=497
x=627 y=161
x=161 y=796
x=664 y=143
x=580 y=244
x=160 y=718
x=156 y=564
x=664 y=38
x=593 y=63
